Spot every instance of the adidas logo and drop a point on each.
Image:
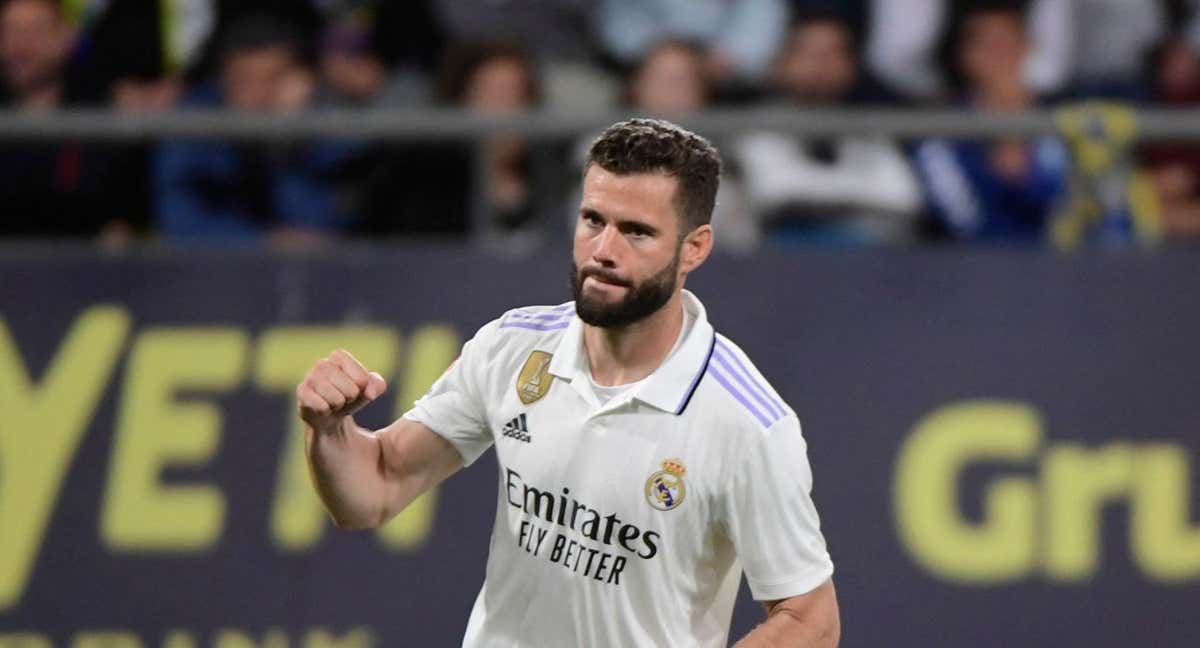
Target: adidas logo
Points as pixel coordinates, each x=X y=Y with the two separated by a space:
x=516 y=429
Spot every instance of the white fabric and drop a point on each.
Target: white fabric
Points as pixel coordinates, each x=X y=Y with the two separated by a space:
x=579 y=555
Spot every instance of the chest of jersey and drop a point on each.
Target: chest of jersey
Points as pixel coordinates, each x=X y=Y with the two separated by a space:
x=605 y=491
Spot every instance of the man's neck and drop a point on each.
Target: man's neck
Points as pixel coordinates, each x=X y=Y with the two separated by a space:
x=629 y=354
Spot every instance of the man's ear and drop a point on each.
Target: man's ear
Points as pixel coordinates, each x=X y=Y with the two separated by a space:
x=696 y=247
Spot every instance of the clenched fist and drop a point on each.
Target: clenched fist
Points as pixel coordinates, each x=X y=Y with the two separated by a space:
x=335 y=388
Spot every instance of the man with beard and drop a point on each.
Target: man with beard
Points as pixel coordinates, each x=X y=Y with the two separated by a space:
x=644 y=461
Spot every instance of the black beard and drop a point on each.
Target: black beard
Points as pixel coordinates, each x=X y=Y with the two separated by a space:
x=641 y=300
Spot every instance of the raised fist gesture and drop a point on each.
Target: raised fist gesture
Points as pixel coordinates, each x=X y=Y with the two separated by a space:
x=336 y=387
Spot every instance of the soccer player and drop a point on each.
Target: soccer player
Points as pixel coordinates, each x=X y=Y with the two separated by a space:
x=644 y=461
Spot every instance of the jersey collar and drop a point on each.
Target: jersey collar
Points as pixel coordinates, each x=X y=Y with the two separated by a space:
x=670 y=387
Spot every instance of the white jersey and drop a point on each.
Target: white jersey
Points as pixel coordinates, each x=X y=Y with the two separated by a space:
x=627 y=523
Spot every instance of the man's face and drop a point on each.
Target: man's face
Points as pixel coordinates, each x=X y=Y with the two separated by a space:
x=993 y=49
x=670 y=80
x=499 y=86
x=258 y=79
x=627 y=247
x=818 y=64
x=34 y=43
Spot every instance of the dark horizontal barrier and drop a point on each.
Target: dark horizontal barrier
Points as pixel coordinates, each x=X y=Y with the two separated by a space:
x=1003 y=443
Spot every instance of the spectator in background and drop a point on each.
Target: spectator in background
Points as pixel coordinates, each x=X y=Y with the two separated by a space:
x=740 y=37
x=906 y=42
x=222 y=192
x=53 y=189
x=1175 y=168
x=558 y=35
x=378 y=53
x=846 y=190
x=438 y=189
x=1002 y=191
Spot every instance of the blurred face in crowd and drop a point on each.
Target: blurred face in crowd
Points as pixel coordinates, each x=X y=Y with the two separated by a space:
x=499 y=85
x=670 y=79
x=818 y=63
x=627 y=260
x=263 y=78
x=34 y=44
x=993 y=49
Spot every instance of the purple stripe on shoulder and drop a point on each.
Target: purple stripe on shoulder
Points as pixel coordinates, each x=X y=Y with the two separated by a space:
x=540 y=316
x=534 y=326
x=738 y=395
x=722 y=359
x=775 y=406
x=569 y=306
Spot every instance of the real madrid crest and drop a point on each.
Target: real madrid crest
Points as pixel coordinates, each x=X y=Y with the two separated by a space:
x=665 y=489
x=534 y=380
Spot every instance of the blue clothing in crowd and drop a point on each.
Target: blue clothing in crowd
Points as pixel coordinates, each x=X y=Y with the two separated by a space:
x=973 y=202
x=226 y=192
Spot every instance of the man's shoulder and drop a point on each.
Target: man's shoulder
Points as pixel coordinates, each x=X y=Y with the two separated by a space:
x=736 y=392
x=527 y=327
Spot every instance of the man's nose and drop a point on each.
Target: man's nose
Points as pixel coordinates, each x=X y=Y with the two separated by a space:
x=607 y=247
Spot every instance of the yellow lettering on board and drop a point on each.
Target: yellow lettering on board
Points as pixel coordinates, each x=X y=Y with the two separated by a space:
x=1077 y=483
x=41 y=427
x=355 y=638
x=24 y=640
x=230 y=638
x=1164 y=545
x=106 y=639
x=928 y=518
x=155 y=430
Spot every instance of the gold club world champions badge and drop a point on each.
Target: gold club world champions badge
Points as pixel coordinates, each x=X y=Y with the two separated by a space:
x=665 y=489
x=534 y=380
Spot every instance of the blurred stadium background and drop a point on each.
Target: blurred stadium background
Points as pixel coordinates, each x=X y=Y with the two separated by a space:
x=959 y=237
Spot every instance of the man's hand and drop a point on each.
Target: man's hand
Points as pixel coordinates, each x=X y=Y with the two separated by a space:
x=334 y=389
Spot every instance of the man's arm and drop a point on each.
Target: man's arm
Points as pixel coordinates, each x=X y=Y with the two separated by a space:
x=809 y=620
x=364 y=477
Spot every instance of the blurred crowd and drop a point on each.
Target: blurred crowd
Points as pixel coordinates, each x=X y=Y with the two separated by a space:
x=654 y=57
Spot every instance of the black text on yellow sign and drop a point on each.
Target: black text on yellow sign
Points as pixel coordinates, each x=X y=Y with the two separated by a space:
x=1047 y=524
x=43 y=422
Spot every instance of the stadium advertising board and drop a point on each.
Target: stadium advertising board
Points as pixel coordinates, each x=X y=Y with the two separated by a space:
x=1003 y=443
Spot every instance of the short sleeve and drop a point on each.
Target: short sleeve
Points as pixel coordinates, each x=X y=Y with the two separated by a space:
x=454 y=406
x=771 y=519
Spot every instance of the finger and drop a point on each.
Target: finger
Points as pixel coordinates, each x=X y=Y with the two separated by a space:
x=350 y=366
x=329 y=393
x=341 y=382
x=308 y=399
x=375 y=386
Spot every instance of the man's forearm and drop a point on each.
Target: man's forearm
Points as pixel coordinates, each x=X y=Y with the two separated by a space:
x=782 y=630
x=345 y=468
x=807 y=621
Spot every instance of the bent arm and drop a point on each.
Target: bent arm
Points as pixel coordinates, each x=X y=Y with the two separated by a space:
x=365 y=478
x=810 y=620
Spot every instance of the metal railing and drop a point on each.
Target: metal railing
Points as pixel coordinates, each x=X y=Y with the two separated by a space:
x=400 y=125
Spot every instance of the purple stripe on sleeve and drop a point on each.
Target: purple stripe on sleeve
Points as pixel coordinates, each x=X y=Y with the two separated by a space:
x=775 y=404
x=534 y=326
x=741 y=398
x=767 y=406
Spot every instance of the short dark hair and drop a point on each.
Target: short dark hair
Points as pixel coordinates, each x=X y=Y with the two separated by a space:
x=463 y=60
x=658 y=146
x=261 y=30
